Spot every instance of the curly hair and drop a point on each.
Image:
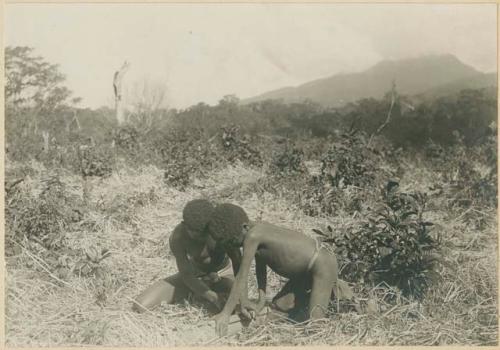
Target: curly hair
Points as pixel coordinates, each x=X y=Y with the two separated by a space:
x=227 y=222
x=197 y=214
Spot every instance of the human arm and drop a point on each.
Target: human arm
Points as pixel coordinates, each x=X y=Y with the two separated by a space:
x=187 y=271
x=235 y=256
x=250 y=246
x=261 y=272
x=245 y=305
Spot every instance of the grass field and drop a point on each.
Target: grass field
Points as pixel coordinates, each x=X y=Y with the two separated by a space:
x=132 y=213
x=393 y=167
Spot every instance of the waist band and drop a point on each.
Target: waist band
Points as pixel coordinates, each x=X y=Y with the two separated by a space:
x=315 y=255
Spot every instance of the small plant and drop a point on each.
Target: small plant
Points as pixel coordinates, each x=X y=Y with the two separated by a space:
x=393 y=244
x=349 y=162
x=434 y=151
x=237 y=147
x=94 y=161
x=144 y=198
x=348 y=173
x=315 y=198
x=43 y=218
x=90 y=264
x=126 y=137
x=186 y=156
x=289 y=161
x=178 y=175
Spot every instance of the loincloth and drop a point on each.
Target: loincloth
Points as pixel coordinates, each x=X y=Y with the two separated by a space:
x=317 y=249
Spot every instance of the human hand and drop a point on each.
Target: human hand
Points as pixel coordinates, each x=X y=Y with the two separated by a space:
x=213 y=298
x=212 y=277
x=221 y=323
x=248 y=309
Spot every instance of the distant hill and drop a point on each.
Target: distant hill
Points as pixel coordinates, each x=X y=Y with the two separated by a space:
x=425 y=76
x=487 y=80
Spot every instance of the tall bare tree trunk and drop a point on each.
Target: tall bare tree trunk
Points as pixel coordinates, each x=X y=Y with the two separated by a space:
x=117 y=86
x=388 y=119
x=76 y=120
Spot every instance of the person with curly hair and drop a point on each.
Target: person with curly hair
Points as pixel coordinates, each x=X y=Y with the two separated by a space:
x=203 y=264
x=311 y=270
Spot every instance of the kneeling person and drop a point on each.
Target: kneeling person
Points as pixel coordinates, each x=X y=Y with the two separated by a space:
x=200 y=260
x=288 y=253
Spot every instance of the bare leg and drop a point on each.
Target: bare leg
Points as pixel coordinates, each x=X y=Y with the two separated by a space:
x=324 y=276
x=223 y=285
x=293 y=299
x=169 y=290
x=284 y=300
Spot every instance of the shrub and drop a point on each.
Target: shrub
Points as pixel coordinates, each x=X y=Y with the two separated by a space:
x=126 y=137
x=349 y=162
x=393 y=244
x=186 y=156
x=45 y=218
x=469 y=174
x=349 y=170
x=95 y=161
x=288 y=161
x=237 y=147
x=315 y=198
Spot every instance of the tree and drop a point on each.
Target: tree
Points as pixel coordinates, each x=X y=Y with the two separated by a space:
x=147 y=98
x=229 y=100
x=117 y=89
x=38 y=104
x=31 y=82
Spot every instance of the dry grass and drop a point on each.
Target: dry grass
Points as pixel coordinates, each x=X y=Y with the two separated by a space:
x=42 y=310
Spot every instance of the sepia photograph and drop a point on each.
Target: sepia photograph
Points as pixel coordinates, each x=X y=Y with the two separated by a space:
x=250 y=174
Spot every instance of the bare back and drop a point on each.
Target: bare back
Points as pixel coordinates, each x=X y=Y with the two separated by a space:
x=285 y=251
x=289 y=254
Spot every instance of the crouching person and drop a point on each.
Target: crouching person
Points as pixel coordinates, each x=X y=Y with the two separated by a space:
x=311 y=270
x=204 y=266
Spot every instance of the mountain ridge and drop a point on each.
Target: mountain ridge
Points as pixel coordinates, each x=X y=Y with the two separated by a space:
x=413 y=76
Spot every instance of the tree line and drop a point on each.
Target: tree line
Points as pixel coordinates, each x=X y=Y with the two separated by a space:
x=41 y=111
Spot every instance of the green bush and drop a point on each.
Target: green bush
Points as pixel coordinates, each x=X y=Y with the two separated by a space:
x=42 y=218
x=315 y=198
x=393 y=244
x=126 y=138
x=186 y=156
x=349 y=162
x=349 y=170
x=468 y=174
x=95 y=161
x=237 y=147
x=288 y=161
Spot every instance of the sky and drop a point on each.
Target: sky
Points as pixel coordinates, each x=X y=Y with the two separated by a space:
x=201 y=52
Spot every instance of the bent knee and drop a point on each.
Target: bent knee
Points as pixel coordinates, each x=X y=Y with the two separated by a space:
x=285 y=303
x=138 y=306
x=147 y=300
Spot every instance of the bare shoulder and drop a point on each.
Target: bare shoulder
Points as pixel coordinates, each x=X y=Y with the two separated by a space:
x=177 y=237
x=255 y=231
x=270 y=231
x=260 y=229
